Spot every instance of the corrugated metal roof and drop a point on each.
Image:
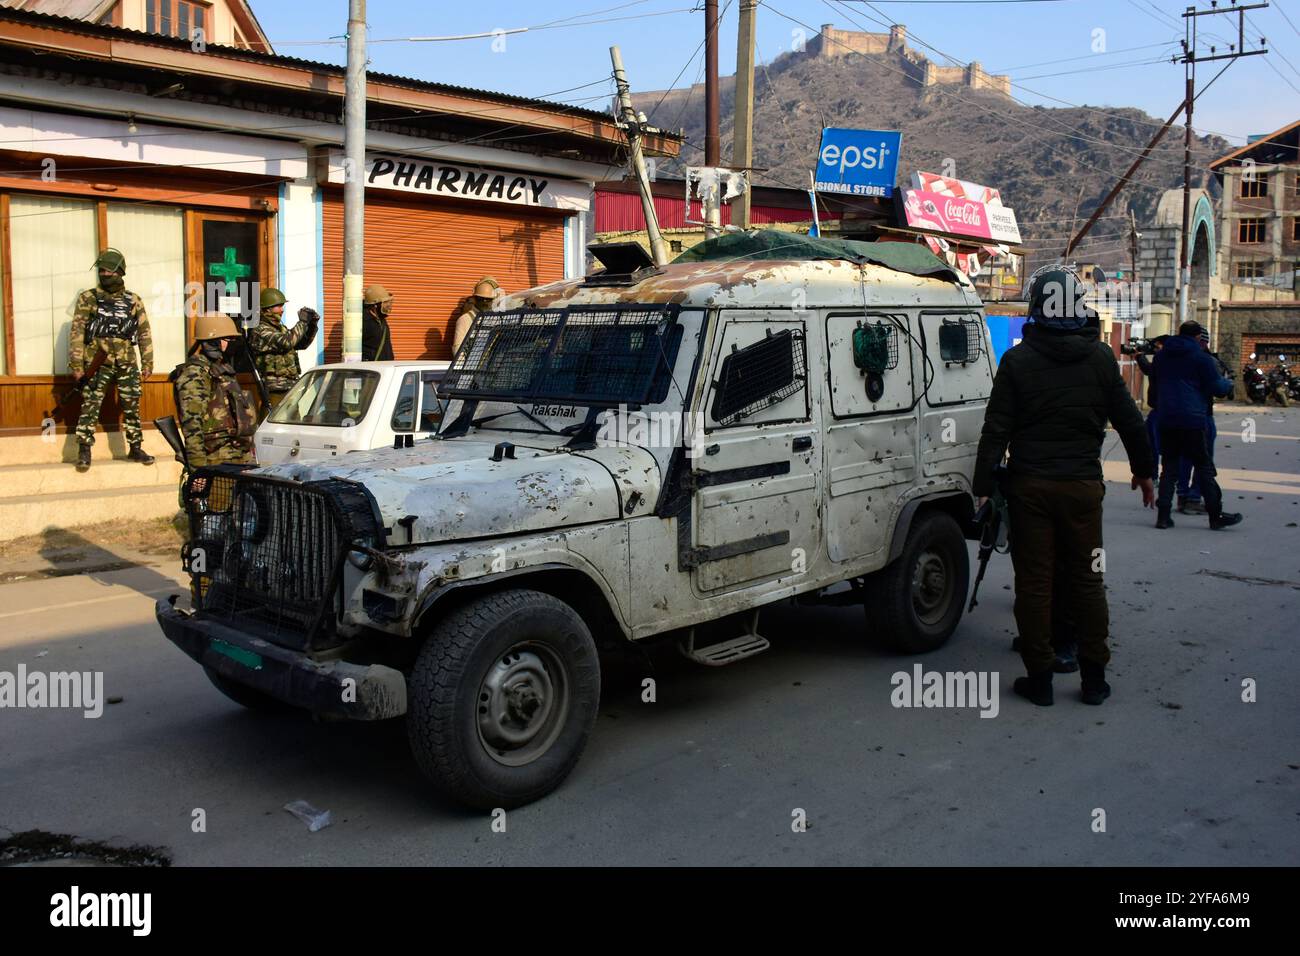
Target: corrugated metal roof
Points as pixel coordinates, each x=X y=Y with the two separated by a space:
x=72 y=25
x=73 y=9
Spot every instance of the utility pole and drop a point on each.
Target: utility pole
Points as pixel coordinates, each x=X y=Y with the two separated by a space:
x=1133 y=245
x=712 y=149
x=742 y=150
x=632 y=124
x=354 y=181
x=1189 y=59
x=712 y=108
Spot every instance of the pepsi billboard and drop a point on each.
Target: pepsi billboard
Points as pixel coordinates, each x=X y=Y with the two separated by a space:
x=858 y=162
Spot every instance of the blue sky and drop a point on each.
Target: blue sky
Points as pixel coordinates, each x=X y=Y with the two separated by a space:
x=1030 y=39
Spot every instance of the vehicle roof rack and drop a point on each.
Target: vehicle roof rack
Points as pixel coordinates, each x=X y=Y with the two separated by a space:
x=626 y=263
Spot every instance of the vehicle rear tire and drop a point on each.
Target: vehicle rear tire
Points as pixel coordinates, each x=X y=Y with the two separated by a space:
x=916 y=602
x=246 y=696
x=502 y=698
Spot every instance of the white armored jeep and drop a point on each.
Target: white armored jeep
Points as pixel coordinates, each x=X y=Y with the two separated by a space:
x=645 y=452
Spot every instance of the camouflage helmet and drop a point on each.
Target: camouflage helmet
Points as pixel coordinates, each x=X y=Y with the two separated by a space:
x=375 y=294
x=110 y=260
x=214 y=325
x=487 y=288
x=271 y=298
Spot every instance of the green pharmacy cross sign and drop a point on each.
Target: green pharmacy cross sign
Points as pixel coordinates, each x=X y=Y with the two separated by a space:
x=228 y=270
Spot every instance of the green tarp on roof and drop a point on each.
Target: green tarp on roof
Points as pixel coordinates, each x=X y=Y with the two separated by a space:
x=758 y=244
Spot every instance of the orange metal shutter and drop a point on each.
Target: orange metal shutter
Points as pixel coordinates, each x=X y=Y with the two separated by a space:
x=430 y=255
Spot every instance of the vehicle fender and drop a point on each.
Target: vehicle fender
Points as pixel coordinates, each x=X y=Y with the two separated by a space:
x=904 y=522
x=608 y=613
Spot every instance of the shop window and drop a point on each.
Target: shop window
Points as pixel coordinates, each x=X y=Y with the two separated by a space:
x=176 y=18
x=153 y=240
x=1244 y=269
x=1251 y=230
x=1256 y=187
x=52 y=251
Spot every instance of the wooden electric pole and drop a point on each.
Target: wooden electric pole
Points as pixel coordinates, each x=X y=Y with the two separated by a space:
x=1133 y=246
x=742 y=150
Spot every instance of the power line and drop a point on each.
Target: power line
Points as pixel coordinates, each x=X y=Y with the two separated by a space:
x=1086 y=56
x=1064 y=130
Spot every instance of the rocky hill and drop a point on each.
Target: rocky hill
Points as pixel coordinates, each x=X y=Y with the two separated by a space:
x=1046 y=162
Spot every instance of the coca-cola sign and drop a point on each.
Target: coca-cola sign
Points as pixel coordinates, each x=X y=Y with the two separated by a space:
x=936 y=212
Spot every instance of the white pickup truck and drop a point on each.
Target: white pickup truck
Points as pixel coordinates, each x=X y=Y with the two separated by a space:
x=353 y=406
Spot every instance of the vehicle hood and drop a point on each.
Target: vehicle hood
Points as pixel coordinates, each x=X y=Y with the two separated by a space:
x=455 y=491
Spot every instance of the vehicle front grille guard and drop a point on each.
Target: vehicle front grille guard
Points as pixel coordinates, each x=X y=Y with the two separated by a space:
x=266 y=555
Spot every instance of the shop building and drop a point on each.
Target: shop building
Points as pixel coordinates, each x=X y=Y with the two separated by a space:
x=217 y=169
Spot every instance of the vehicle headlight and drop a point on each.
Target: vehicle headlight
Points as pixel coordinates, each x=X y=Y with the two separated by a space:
x=250 y=517
x=359 y=559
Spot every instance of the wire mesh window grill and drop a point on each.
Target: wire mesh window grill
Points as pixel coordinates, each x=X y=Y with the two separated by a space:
x=875 y=346
x=961 y=340
x=583 y=355
x=759 y=376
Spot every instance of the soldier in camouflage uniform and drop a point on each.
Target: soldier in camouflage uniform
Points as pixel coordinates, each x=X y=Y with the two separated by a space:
x=111 y=320
x=275 y=348
x=215 y=415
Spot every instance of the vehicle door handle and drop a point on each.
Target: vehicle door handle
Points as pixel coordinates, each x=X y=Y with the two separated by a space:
x=802 y=443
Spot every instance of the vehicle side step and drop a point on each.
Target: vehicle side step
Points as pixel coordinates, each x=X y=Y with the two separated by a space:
x=725 y=652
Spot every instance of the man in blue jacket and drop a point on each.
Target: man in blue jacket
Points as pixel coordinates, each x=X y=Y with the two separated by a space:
x=1188 y=380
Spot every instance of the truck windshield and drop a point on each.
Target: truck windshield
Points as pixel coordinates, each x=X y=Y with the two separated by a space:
x=329 y=396
x=583 y=355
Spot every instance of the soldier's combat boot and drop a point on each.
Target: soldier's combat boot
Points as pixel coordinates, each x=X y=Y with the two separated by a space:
x=1095 y=688
x=1037 y=687
x=137 y=453
x=83 y=458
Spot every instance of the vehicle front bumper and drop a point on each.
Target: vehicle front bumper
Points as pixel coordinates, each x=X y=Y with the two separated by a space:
x=352 y=691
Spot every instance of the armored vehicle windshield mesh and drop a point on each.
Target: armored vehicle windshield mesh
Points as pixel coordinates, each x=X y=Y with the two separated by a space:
x=584 y=355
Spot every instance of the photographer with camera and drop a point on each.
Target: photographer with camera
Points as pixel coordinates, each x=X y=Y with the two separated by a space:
x=1189 y=381
x=1140 y=349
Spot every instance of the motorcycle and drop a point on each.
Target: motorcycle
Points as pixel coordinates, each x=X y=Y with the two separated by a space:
x=1279 y=382
x=1292 y=381
x=1255 y=381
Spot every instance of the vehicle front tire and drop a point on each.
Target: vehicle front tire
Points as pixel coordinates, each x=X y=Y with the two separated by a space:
x=916 y=602
x=502 y=698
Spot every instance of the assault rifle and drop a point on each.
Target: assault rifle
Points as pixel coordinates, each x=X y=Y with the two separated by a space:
x=170 y=431
x=80 y=384
x=994 y=527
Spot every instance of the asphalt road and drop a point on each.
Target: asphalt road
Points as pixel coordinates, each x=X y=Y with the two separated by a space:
x=714 y=770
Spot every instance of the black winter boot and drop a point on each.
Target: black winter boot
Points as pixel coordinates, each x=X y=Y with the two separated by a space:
x=1037 y=687
x=137 y=453
x=1164 y=521
x=1095 y=688
x=83 y=458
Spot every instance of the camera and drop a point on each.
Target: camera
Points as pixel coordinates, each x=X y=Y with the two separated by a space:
x=1139 y=347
